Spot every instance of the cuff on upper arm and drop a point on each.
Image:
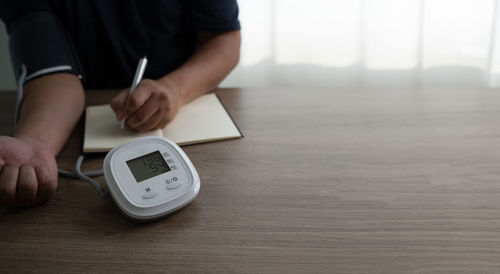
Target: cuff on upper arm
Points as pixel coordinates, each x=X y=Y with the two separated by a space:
x=40 y=42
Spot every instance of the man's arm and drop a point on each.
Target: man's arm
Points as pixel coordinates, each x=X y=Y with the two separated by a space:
x=51 y=107
x=216 y=57
x=155 y=102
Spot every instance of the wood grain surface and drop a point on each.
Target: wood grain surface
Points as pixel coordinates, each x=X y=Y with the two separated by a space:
x=324 y=181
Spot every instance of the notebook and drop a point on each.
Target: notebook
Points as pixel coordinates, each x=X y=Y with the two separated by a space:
x=202 y=120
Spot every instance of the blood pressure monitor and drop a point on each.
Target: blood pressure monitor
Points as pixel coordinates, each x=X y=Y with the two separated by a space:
x=150 y=177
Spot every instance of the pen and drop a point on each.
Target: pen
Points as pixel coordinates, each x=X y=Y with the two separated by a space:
x=139 y=72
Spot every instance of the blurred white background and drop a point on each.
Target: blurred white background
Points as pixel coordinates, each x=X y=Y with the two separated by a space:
x=351 y=43
x=369 y=43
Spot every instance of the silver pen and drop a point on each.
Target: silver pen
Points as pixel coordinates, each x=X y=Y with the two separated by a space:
x=139 y=72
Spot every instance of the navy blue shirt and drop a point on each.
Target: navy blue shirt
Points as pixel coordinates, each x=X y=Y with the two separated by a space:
x=110 y=36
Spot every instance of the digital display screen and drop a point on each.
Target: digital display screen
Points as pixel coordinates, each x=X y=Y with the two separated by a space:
x=148 y=166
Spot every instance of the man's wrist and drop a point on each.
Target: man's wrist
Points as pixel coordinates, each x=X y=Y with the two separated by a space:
x=170 y=84
x=36 y=142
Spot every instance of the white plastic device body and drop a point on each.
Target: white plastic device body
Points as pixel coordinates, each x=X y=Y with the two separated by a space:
x=150 y=177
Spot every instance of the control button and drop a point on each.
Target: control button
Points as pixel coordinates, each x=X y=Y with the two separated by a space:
x=149 y=195
x=170 y=161
x=173 y=185
x=165 y=154
x=171 y=180
x=173 y=167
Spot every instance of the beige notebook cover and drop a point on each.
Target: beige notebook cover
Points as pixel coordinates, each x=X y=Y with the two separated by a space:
x=202 y=120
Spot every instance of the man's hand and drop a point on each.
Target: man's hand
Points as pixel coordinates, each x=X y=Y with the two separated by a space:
x=152 y=105
x=28 y=173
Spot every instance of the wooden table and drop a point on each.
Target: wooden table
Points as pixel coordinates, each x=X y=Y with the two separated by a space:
x=325 y=181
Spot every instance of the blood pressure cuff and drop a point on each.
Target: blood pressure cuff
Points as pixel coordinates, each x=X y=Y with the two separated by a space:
x=40 y=42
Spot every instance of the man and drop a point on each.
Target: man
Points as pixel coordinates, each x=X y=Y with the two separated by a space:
x=191 y=46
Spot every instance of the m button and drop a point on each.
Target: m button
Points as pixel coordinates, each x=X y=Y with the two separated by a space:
x=149 y=195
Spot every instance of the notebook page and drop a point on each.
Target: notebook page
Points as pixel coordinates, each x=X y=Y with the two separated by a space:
x=102 y=130
x=202 y=120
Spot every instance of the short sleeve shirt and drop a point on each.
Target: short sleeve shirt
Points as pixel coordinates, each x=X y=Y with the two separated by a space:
x=111 y=36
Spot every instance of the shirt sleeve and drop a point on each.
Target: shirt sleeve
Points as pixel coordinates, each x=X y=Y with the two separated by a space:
x=213 y=15
x=37 y=40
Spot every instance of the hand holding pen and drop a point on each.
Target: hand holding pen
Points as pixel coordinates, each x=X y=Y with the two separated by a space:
x=148 y=104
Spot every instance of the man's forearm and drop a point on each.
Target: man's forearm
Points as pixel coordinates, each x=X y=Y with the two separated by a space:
x=51 y=107
x=207 y=67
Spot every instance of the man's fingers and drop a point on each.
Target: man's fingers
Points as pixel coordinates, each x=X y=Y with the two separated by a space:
x=143 y=114
x=46 y=186
x=135 y=101
x=118 y=104
x=151 y=123
x=8 y=185
x=27 y=186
